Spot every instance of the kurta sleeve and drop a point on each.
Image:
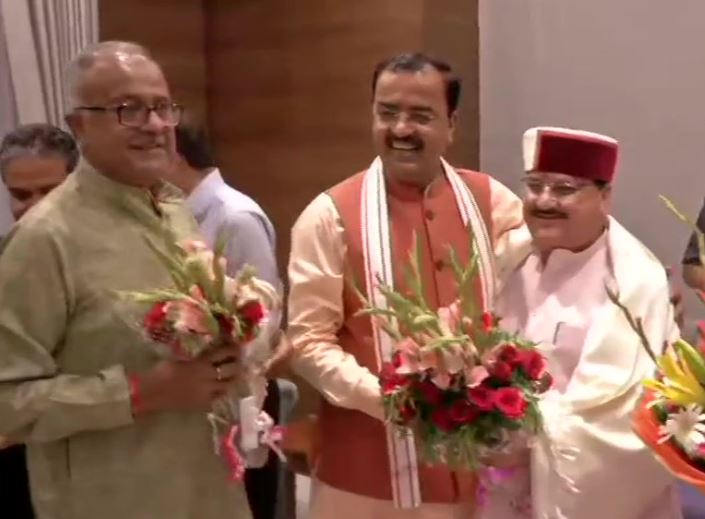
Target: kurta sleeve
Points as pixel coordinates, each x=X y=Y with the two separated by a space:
x=38 y=403
x=316 y=312
x=507 y=217
x=510 y=235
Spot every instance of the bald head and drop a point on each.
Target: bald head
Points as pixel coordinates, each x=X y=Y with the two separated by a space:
x=121 y=112
x=100 y=58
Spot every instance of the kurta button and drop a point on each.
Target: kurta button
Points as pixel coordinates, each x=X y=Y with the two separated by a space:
x=439 y=264
x=430 y=215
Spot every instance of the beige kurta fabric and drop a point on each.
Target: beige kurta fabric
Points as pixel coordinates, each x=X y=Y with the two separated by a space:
x=612 y=473
x=66 y=343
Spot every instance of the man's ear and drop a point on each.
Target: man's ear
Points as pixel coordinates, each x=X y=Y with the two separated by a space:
x=452 y=124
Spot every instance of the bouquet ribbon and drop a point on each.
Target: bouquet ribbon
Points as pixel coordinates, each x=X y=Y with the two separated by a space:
x=270 y=435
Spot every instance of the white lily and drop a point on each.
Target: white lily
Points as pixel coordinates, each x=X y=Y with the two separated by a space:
x=687 y=426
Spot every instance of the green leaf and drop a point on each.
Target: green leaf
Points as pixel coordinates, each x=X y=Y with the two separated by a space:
x=198 y=274
x=152 y=297
x=412 y=273
x=221 y=242
x=700 y=237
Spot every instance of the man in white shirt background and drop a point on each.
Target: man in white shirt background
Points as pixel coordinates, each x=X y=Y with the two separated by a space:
x=251 y=240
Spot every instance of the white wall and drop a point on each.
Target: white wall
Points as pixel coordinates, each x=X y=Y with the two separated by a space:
x=634 y=69
x=5 y=216
x=8 y=119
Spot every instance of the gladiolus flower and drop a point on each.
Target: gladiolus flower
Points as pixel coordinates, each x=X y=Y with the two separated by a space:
x=488 y=321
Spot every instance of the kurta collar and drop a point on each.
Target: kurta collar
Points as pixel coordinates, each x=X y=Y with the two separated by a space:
x=564 y=258
x=144 y=203
x=412 y=192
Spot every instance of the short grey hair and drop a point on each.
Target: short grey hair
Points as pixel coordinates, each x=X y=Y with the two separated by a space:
x=38 y=140
x=89 y=56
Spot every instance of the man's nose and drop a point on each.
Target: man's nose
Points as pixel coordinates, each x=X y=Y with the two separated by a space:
x=544 y=200
x=401 y=128
x=154 y=123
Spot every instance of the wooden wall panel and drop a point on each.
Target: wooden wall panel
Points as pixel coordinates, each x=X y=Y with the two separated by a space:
x=174 y=31
x=451 y=32
x=289 y=92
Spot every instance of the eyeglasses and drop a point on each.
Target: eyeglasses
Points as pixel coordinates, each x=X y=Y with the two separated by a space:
x=136 y=115
x=391 y=115
x=557 y=190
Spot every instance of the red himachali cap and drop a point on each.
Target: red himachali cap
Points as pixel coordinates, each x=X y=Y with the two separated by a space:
x=572 y=152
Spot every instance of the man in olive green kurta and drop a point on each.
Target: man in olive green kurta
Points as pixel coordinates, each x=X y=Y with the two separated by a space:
x=113 y=430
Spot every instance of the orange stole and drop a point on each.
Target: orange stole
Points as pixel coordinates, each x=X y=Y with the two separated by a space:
x=353 y=452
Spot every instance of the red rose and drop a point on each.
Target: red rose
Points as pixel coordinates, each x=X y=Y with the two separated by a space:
x=502 y=371
x=253 y=312
x=155 y=323
x=431 y=392
x=441 y=419
x=510 y=402
x=390 y=380
x=407 y=413
x=487 y=321
x=533 y=364
x=482 y=397
x=462 y=412
x=509 y=354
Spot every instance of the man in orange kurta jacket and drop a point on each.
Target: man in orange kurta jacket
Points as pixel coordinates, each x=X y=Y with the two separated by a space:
x=363 y=228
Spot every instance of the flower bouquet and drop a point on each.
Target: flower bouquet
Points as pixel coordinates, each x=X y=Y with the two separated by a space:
x=670 y=416
x=206 y=309
x=466 y=388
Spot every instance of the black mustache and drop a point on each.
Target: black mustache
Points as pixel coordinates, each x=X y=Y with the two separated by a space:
x=413 y=141
x=551 y=215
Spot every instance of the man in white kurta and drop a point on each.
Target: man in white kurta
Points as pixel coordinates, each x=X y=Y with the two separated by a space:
x=589 y=463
